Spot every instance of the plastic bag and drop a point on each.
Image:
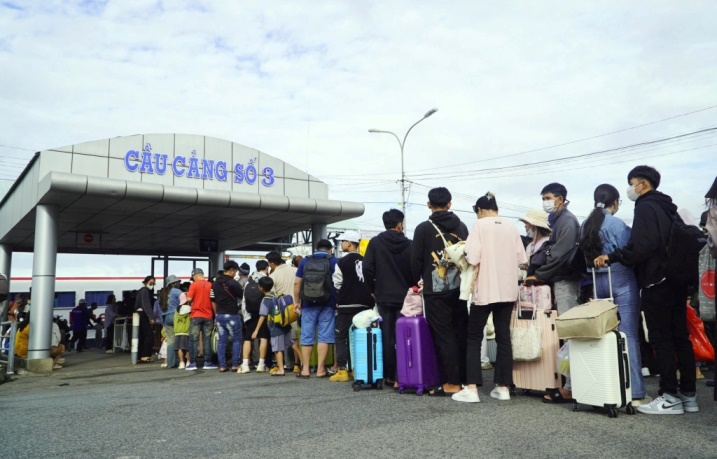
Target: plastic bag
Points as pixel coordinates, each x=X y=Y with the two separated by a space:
x=704 y=352
x=564 y=359
x=364 y=319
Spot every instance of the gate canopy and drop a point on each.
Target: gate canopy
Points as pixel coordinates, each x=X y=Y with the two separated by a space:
x=170 y=194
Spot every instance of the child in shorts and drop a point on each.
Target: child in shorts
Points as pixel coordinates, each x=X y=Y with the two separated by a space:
x=181 y=331
x=280 y=336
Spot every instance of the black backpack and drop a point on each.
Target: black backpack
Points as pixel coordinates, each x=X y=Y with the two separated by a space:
x=252 y=296
x=684 y=243
x=4 y=287
x=316 y=283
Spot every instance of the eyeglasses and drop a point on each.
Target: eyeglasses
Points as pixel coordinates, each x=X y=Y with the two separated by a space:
x=619 y=202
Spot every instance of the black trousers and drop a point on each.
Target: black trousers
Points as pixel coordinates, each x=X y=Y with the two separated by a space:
x=666 y=315
x=110 y=338
x=390 y=313
x=344 y=318
x=503 y=374
x=79 y=337
x=447 y=317
x=146 y=336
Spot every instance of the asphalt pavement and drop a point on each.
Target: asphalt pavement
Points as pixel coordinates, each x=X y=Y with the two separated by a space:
x=100 y=406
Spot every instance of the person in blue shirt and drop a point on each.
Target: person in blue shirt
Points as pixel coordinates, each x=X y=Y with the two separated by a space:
x=314 y=286
x=603 y=233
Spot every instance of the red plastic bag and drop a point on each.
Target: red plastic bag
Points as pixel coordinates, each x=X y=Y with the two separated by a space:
x=704 y=352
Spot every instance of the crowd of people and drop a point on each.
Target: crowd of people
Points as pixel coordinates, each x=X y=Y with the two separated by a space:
x=328 y=292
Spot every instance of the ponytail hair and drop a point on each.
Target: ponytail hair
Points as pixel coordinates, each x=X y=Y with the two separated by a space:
x=486 y=202
x=605 y=196
x=164 y=298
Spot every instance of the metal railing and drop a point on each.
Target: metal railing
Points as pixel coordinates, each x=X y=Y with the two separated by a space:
x=8 y=337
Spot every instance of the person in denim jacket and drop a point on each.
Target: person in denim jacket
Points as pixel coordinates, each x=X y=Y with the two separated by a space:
x=603 y=233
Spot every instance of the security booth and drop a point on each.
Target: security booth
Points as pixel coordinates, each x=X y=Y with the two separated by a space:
x=154 y=194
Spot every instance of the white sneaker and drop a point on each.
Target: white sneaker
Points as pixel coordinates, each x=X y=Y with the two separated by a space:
x=641 y=401
x=244 y=369
x=261 y=368
x=466 y=395
x=665 y=404
x=689 y=404
x=181 y=365
x=501 y=393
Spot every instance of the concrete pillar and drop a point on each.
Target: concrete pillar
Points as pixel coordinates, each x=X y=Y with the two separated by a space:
x=5 y=265
x=318 y=231
x=166 y=269
x=216 y=262
x=44 y=264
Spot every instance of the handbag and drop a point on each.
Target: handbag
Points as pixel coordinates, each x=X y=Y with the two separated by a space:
x=413 y=303
x=527 y=341
x=591 y=320
x=704 y=352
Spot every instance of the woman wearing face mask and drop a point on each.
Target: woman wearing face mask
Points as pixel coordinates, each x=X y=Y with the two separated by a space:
x=538 y=230
x=144 y=308
x=602 y=233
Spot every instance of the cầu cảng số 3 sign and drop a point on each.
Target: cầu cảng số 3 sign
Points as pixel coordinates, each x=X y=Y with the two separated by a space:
x=147 y=162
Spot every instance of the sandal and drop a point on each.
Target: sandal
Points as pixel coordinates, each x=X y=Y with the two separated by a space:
x=325 y=375
x=556 y=397
x=278 y=374
x=300 y=376
x=440 y=392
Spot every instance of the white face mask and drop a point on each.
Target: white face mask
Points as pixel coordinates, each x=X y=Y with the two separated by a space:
x=531 y=233
x=632 y=195
x=549 y=206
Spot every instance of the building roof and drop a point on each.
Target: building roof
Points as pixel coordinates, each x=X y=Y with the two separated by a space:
x=115 y=190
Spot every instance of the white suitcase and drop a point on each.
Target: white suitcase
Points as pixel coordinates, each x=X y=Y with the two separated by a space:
x=600 y=373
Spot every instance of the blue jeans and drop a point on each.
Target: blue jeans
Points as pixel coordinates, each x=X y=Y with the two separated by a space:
x=169 y=339
x=626 y=294
x=229 y=326
x=205 y=326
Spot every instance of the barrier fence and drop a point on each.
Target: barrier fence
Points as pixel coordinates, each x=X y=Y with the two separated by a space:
x=7 y=356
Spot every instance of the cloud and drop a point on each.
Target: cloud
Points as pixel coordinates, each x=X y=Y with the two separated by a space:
x=304 y=81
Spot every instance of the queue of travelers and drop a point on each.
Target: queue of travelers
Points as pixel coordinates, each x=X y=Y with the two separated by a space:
x=237 y=303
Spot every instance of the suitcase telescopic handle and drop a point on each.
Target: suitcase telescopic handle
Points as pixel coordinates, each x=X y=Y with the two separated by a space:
x=609 y=281
x=626 y=364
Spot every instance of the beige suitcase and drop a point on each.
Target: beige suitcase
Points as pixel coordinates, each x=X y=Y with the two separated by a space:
x=542 y=374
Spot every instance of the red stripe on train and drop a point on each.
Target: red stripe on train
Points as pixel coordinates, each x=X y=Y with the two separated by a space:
x=140 y=279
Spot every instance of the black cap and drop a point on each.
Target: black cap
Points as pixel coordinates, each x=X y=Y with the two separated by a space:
x=244 y=269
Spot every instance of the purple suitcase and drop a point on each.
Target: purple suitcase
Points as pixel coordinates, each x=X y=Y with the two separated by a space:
x=416 y=362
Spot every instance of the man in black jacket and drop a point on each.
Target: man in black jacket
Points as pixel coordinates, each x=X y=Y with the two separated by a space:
x=387 y=272
x=447 y=315
x=226 y=295
x=663 y=298
x=352 y=297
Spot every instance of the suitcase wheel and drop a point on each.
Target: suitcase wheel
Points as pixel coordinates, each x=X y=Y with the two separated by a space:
x=357 y=387
x=629 y=409
x=612 y=412
x=379 y=384
x=419 y=391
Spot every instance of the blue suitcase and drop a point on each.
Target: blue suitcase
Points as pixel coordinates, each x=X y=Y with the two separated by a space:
x=367 y=357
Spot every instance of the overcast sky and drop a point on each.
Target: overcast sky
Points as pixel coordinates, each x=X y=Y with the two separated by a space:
x=305 y=80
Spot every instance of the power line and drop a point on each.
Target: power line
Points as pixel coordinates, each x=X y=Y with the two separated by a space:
x=573 y=141
x=565 y=158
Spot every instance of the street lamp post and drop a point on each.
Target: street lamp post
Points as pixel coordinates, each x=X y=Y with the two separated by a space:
x=403 y=173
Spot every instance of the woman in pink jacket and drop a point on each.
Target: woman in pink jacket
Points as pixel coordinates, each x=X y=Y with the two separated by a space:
x=495 y=248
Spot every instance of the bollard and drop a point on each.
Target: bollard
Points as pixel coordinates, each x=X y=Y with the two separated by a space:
x=135 y=337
